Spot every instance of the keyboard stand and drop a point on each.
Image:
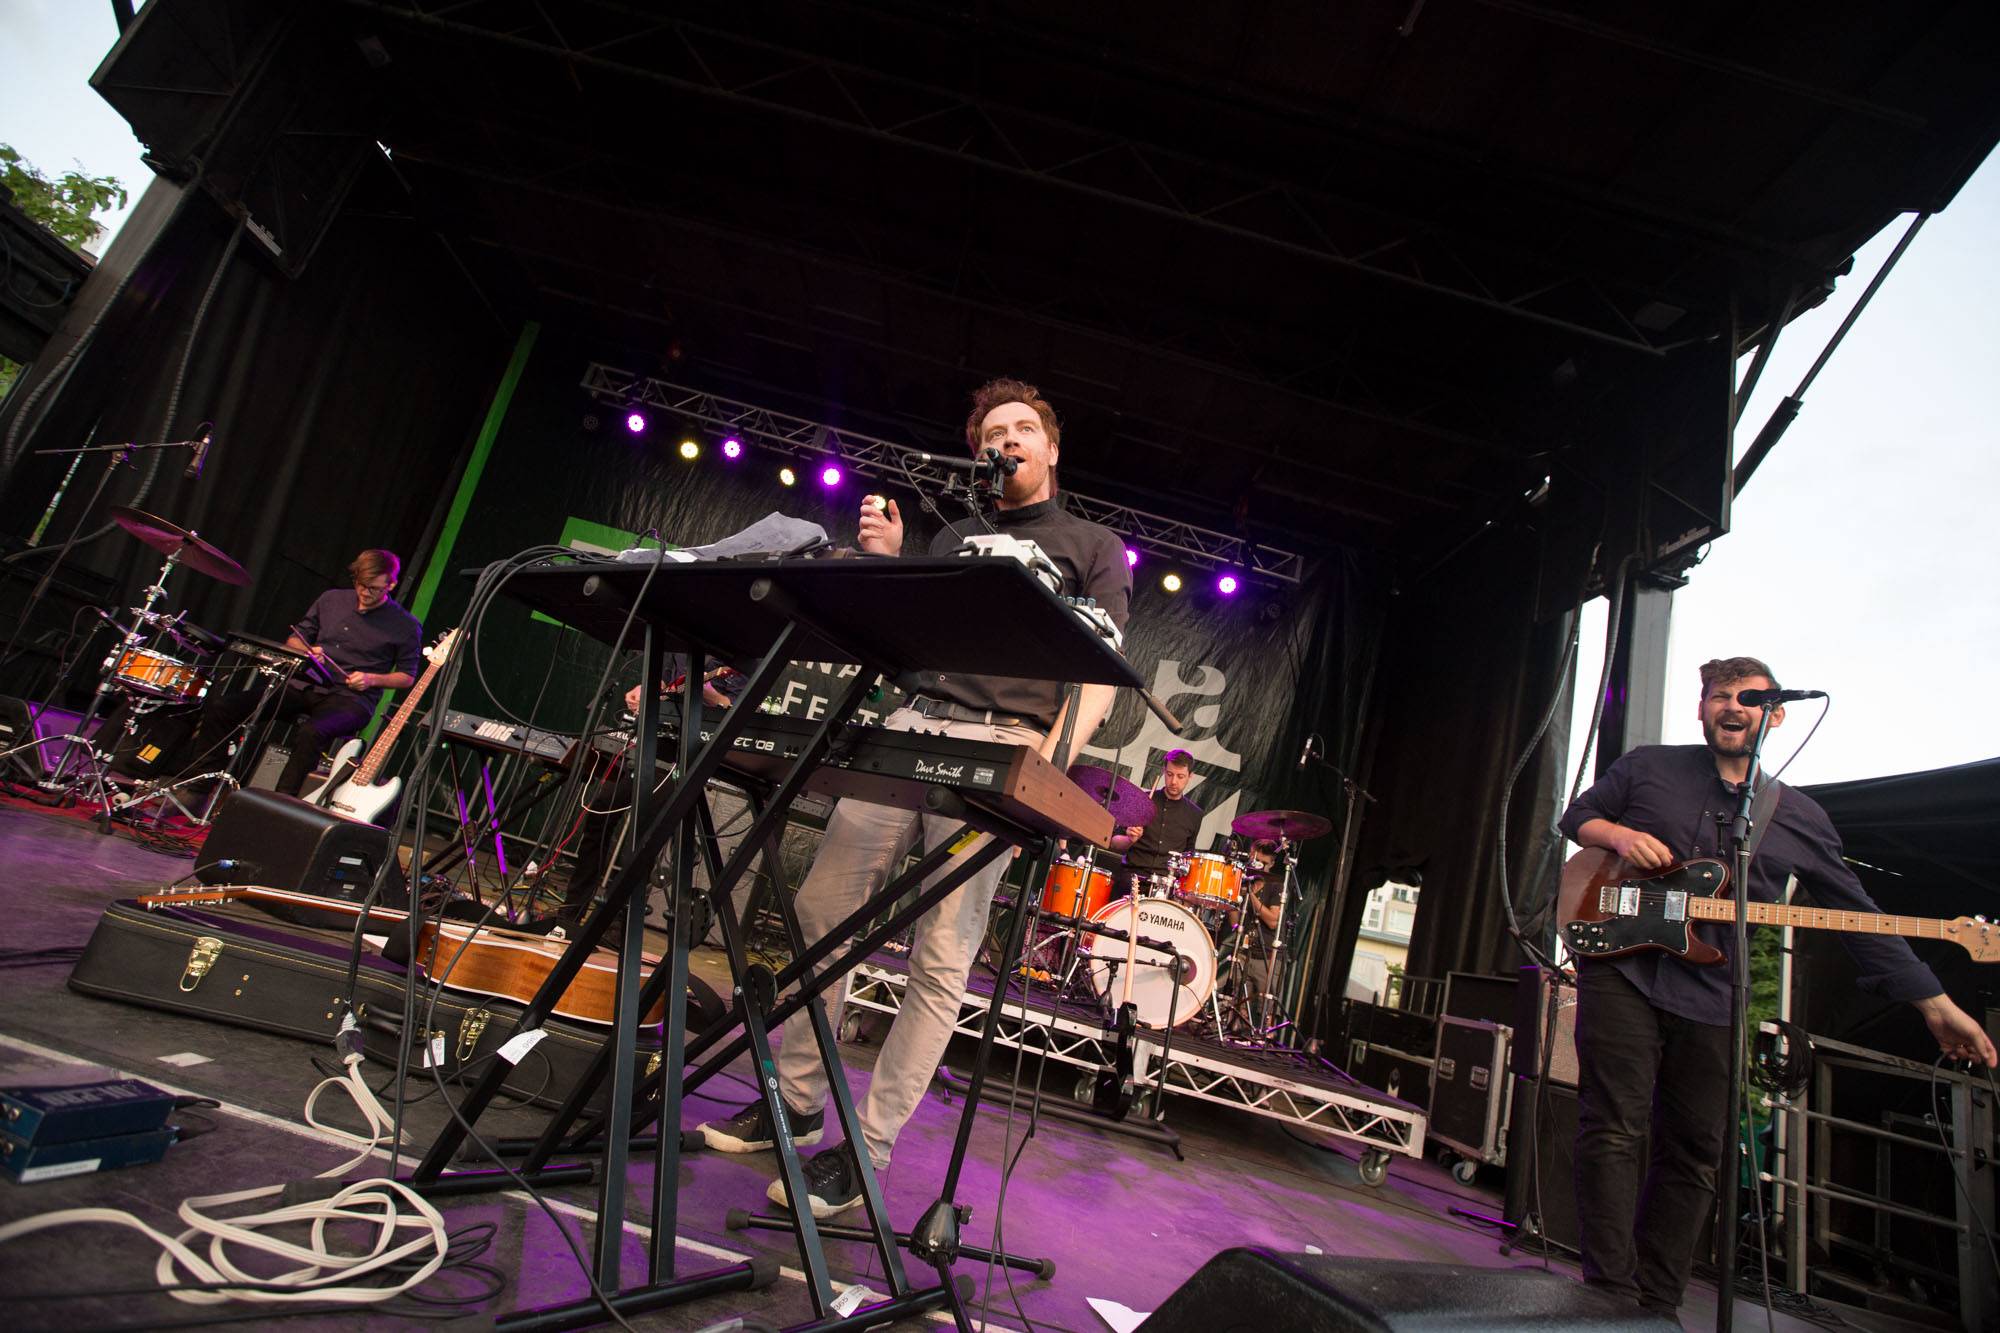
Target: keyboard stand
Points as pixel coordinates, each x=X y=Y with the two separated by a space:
x=888 y=617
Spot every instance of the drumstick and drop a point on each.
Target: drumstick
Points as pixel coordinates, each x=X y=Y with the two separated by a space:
x=322 y=654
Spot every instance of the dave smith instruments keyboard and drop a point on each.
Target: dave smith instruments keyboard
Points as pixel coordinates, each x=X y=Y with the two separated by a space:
x=903 y=768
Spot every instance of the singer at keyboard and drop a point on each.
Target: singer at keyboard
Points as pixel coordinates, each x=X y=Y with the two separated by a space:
x=864 y=842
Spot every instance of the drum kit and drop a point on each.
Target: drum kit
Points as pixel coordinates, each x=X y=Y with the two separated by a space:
x=1176 y=946
x=160 y=668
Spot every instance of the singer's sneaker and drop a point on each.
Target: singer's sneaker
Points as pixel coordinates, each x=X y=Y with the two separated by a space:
x=750 y=1129
x=833 y=1183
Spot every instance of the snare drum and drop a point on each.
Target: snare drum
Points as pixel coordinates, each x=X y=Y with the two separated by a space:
x=1069 y=874
x=161 y=676
x=1209 y=880
x=1155 y=993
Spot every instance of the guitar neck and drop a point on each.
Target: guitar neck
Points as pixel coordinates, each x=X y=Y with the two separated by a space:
x=378 y=753
x=1822 y=918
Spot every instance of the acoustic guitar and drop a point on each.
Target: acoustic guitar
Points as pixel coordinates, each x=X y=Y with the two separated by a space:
x=497 y=962
x=1605 y=908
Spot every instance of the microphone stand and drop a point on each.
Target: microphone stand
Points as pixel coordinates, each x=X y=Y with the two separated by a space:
x=1729 y=1187
x=1336 y=901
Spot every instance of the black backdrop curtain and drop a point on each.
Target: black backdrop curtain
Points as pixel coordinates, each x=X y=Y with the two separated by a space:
x=343 y=400
x=1467 y=674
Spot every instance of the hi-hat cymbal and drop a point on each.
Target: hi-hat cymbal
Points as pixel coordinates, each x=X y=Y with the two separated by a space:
x=1130 y=807
x=1290 y=825
x=174 y=540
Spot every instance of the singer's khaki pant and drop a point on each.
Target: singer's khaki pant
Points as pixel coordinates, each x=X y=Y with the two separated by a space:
x=863 y=843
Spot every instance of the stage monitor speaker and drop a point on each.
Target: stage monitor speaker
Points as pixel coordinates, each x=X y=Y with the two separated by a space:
x=1530 y=1020
x=1549 y=1123
x=282 y=842
x=1258 y=1290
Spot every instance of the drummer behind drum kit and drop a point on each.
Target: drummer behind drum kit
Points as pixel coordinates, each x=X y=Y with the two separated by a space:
x=1174 y=949
x=159 y=670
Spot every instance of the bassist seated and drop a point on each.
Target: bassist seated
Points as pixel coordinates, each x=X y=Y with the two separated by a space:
x=359 y=637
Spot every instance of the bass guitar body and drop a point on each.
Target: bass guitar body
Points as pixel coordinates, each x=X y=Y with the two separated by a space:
x=1605 y=907
x=349 y=798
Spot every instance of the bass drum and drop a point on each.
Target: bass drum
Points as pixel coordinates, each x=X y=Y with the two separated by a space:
x=1155 y=993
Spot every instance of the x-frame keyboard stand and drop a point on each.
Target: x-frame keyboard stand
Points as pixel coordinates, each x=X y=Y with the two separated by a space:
x=790 y=631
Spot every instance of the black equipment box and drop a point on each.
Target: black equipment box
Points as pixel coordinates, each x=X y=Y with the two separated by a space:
x=66 y=1113
x=1402 y=1074
x=1490 y=999
x=31 y=1163
x=233 y=964
x=1386 y=1025
x=1472 y=1089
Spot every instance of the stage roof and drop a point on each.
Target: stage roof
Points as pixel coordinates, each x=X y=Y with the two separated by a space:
x=1320 y=272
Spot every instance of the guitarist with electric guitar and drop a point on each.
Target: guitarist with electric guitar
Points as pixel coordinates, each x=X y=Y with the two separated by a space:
x=1640 y=914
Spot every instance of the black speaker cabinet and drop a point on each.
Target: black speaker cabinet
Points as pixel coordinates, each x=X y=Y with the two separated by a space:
x=282 y=842
x=21 y=723
x=1548 y=1122
x=1483 y=998
x=1257 y=1290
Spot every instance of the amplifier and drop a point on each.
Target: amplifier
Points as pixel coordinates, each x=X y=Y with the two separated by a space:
x=32 y=1162
x=22 y=722
x=1531 y=1016
x=282 y=842
x=1541 y=1160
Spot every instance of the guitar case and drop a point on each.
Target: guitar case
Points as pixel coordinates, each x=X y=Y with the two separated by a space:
x=234 y=964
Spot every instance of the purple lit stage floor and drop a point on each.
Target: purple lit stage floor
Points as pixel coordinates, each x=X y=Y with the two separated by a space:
x=1121 y=1219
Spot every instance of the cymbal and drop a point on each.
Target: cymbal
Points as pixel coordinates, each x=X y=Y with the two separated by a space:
x=1130 y=807
x=175 y=540
x=1290 y=825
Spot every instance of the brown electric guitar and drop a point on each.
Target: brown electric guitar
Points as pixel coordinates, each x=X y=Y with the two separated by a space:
x=1605 y=908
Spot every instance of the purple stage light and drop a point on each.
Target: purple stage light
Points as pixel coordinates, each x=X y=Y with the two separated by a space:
x=635 y=422
x=1227 y=585
x=732 y=448
x=1131 y=557
x=829 y=476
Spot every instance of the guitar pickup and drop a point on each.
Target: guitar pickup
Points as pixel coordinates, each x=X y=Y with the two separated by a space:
x=1618 y=900
x=1676 y=908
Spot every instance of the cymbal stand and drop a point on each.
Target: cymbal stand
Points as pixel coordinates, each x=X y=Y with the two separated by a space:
x=125 y=805
x=133 y=640
x=1288 y=854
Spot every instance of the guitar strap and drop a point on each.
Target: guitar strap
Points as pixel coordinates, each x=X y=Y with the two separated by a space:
x=1762 y=807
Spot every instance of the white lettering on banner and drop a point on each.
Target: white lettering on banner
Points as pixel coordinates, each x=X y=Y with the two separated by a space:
x=1140 y=752
x=795 y=692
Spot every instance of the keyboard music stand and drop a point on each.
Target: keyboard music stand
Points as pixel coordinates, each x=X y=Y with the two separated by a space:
x=887 y=617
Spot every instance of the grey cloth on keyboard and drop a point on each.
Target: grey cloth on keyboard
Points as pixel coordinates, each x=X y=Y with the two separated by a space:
x=773 y=534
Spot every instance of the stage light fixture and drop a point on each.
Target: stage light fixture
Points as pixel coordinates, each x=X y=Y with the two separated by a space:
x=1171 y=581
x=829 y=474
x=635 y=421
x=732 y=448
x=1131 y=557
x=787 y=477
x=690 y=449
x=1227 y=584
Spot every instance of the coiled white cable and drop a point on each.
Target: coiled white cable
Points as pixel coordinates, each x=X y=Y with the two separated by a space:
x=322 y=1274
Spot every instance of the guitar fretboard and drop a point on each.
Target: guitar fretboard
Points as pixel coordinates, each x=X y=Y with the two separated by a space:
x=1822 y=918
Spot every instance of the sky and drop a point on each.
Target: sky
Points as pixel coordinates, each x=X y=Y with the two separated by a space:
x=1862 y=553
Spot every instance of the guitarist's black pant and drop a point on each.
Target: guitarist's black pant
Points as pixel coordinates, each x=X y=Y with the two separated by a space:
x=1652 y=1112
x=320 y=717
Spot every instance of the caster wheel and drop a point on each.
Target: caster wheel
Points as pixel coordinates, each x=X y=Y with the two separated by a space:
x=1373 y=1166
x=1086 y=1088
x=850 y=1028
x=1463 y=1170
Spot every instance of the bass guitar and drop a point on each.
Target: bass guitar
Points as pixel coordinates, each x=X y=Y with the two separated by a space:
x=355 y=789
x=1605 y=908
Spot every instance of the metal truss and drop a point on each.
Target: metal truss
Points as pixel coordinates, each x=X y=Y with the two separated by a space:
x=924 y=117
x=870 y=456
x=1248 y=1083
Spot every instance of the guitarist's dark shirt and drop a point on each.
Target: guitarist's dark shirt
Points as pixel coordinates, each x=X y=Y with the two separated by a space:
x=384 y=640
x=1674 y=793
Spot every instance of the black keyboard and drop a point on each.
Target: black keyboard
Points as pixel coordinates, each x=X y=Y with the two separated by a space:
x=507 y=737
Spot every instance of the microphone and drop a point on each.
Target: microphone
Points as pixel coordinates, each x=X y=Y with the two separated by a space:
x=1306 y=751
x=1765 y=698
x=200 y=454
x=989 y=462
